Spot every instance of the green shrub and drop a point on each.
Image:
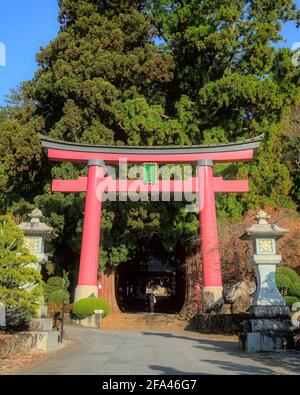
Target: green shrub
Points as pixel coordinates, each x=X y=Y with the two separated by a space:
x=289 y=273
x=55 y=291
x=21 y=301
x=290 y=300
x=288 y=282
x=58 y=297
x=48 y=289
x=86 y=307
x=56 y=282
x=283 y=282
x=295 y=290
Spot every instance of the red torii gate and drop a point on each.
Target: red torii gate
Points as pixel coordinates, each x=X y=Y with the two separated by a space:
x=205 y=184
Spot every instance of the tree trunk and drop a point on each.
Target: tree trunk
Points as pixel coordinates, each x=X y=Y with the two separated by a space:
x=107 y=278
x=191 y=304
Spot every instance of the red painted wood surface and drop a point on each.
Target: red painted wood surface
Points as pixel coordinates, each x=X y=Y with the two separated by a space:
x=211 y=263
x=88 y=269
x=107 y=184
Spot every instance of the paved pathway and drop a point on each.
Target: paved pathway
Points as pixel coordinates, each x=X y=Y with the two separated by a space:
x=95 y=352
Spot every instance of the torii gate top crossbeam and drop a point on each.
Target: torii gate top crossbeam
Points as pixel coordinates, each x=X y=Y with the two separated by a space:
x=72 y=152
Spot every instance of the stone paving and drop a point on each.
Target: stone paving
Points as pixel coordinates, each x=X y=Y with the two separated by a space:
x=96 y=352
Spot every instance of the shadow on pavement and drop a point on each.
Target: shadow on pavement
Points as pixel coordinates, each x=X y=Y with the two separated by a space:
x=173 y=372
x=289 y=360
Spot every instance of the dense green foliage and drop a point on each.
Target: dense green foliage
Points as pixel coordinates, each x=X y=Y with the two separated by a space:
x=20 y=284
x=55 y=291
x=86 y=307
x=234 y=84
x=58 y=282
x=153 y=72
x=291 y=140
x=288 y=282
x=290 y=300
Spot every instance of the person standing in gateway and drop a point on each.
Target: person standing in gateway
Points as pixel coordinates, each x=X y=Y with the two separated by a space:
x=152 y=301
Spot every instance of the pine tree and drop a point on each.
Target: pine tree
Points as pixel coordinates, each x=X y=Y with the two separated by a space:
x=20 y=284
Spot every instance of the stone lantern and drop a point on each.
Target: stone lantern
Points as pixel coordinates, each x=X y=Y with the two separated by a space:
x=35 y=235
x=269 y=323
x=265 y=259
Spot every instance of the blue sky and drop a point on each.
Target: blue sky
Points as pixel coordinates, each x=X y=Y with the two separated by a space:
x=27 y=25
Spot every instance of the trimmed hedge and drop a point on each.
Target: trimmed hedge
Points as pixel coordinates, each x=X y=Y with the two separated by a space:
x=51 y=288
x=56 y=282
x=282 y=281
x=58 y=297
x=86 y=307
x=289 y=273
x=55 y=291
x=295 y=289
x=288 y=283
x=290 y=300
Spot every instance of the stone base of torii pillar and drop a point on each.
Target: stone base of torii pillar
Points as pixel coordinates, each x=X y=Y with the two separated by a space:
x=212 y=297
x=85 y=291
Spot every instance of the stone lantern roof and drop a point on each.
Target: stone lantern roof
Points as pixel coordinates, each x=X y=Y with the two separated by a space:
x=35 y=227
x=263 y=229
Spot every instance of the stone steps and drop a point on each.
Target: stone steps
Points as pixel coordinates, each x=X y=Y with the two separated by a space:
x=125 y=321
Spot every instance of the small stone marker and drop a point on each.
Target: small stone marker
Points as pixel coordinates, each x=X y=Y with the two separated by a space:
x=2 y=315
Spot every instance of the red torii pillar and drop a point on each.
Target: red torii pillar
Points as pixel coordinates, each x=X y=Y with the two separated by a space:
x=88 y=269
x=211 y=263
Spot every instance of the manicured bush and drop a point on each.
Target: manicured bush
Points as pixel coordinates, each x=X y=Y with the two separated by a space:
x=295 y=290
x=48 y=289
x=289 y=273
x=56 y=282
x=283 y=282
x=288 y=282
x=86 y=307
x=290 y=300
x=55 y=291
x=58 y=297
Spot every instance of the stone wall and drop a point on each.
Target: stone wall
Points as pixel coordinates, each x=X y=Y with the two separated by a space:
x=220 y=323
x=17 y=343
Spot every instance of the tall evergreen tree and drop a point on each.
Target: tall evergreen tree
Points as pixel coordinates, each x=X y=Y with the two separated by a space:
x=101 y=71
x=152 y=72
x=104 y=80
x=291 y=153
x=232 y=83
